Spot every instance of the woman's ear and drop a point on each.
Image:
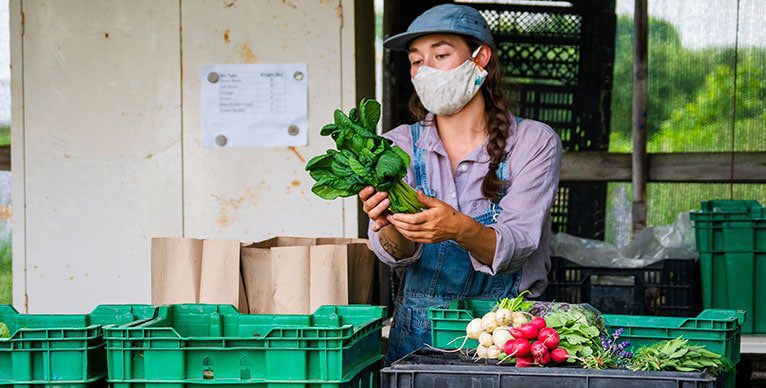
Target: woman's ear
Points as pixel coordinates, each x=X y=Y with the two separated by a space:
x=482 y=58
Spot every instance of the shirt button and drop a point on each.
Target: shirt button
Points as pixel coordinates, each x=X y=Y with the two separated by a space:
x=463 y=167
x=452 y=194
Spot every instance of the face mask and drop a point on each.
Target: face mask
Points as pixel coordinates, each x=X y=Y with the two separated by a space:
x=446 y=92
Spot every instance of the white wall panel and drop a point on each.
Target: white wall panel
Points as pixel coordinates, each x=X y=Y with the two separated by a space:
x=101 y=148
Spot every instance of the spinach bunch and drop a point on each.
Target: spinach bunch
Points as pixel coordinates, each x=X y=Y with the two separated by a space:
x=677 y=354
x=362 y=159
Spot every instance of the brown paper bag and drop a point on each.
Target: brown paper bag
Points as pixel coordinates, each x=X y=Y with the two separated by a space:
x=186 y=270
x=288 y=275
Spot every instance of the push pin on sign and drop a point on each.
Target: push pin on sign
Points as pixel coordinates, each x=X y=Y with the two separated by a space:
x=293 y=130
x=298 y=75
x=221 y=140
x=212 y=77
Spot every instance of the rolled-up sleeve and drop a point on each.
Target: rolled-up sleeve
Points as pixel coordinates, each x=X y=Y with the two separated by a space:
x=402 y=138
x=527 y=203
x=386 y=257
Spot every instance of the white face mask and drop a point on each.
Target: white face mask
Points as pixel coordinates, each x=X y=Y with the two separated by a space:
x=446 y=92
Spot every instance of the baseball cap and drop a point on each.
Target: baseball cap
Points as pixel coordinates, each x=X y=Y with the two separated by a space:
x=443 y=19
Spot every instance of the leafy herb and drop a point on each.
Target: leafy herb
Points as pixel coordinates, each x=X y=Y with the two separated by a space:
x=516 y=304
x=362 y=159
x=4 y=332
x=612 y=353
x=677 y=354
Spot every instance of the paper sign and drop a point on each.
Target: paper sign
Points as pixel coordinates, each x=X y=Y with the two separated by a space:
x=254 y=105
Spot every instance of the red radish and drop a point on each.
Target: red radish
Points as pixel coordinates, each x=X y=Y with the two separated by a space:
x=517 y=348
x=523 y=362
x=516 y=333
x=538 y=349
x=528 y=331
x=549 y=337
x=559 y=355
x=538 y=322
x=545 y=359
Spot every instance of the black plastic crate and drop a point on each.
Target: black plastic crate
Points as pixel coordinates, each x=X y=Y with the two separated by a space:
x=669 y=287
x=426 y=368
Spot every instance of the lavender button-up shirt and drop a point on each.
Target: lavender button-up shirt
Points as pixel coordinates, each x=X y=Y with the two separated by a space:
x=524 y=225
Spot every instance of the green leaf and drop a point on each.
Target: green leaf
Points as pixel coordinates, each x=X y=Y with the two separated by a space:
x=328 y=192
x=341 y=120
x=321 y=161
x=358 y=168
x=369 y=114
x=402 y=155
x=390 y=166
x=4 y=332
x=329 y=129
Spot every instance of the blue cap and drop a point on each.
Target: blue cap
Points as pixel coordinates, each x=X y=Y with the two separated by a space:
x=443 y=19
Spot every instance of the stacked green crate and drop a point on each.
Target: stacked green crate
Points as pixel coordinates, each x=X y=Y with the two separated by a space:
x=731 y=240
x=214 y=344
x=60 y=349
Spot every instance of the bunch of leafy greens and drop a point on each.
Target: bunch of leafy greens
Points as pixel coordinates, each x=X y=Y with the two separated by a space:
x=362 y=159
x=677 y=354
x=4 y=333
x=578 y=328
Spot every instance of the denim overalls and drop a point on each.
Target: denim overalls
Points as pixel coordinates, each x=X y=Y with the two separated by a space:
x=443 y=273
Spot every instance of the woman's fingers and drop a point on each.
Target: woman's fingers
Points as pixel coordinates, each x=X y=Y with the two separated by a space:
x=404 y=225
x=372 y=201
x=379 y=224
x=366 y=193
x=379 y=209
x=413 y=219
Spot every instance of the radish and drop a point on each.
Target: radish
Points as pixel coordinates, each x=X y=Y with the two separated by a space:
x=528 y=331
x=500 y=336
x=473 y=329
x=518 y=319
x=559 y=355
x=545 y=359
x=481 y=351
x=518 y=348
x=493 y=352
x=549 y=337
x=486 y=339
x=503 y=317
x=538 y=322
x=523 y=362
x=488 y=322
x=516 y=333
x=538 y=349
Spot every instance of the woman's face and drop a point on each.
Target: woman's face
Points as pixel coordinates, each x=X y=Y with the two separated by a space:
x=440 y=51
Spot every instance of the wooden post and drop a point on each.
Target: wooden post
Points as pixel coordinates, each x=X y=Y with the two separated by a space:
x=640 y=78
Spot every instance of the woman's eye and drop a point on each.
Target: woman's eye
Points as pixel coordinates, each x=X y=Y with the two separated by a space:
x=417 y=62
x=442 y=56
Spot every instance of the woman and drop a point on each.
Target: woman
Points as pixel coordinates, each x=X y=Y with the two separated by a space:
x=487 y=177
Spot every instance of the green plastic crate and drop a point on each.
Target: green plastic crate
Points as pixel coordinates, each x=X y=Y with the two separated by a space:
x=60 y=349
x=215 y=344
x=731 y=241
x=717 y=330
x=448 y=324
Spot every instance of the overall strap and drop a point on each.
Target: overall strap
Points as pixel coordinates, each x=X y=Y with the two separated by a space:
x=503 y=174
x=419 y=162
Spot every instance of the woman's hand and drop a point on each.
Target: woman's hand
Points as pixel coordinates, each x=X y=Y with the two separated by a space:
x=375 y=204
x=438 y=223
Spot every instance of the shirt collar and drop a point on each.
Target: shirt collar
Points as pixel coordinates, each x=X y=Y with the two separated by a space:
x=429 y=140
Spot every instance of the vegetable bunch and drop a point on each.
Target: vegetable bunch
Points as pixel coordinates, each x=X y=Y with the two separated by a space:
x=579 y=336
x=612 y=354
x=677 y=354
x=362 y=159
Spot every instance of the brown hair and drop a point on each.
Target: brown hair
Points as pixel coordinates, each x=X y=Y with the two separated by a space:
x=498 y=123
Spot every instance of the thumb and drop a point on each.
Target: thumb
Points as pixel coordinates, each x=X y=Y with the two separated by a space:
x=426 y=200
